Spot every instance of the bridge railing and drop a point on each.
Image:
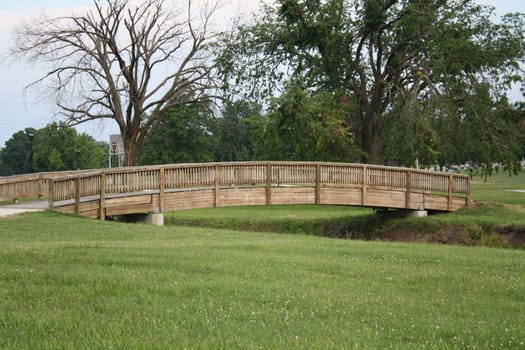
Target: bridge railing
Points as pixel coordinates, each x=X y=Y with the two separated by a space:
x=30 y=185
x=23 y=186
x=269 y=174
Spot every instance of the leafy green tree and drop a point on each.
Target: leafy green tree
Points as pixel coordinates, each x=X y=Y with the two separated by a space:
x=238 y=131
x=377 y=53
x=16 y=156
x=185 y=135
x=490 y=131
x=53 y=148
x=410 y=139
x=305 y=126
x=59 y=147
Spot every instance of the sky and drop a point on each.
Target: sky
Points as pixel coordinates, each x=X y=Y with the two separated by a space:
x=21 y=108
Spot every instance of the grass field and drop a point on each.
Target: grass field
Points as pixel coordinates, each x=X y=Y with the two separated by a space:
x=74 y=283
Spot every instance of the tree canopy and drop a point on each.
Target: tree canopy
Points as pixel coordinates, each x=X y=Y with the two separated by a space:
x=186 y=135
x=53 y=148
x=409 y=70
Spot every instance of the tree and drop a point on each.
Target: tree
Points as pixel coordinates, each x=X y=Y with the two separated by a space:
x=53 y=148
x=376 y=53
x=239 y=131
x=17 y=155
x=126 y=63
x=59 y=147
x=306 y=126
x=186 y=135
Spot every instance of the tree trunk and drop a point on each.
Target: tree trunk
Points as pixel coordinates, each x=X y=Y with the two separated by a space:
x=370 y=136
x=132 y=145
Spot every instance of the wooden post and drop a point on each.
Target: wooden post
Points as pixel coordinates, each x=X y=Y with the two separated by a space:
x=268 y=184
x=102 y=204
x=216 y=188
x=450 y=189
x=162 y=190
x=365 y=183
x=51 y=194
x=469 y=196
x=318 y=184
x=77 y=195
x=408 y=189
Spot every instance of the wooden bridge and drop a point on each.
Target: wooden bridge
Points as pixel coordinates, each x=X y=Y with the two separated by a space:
x=121 y=191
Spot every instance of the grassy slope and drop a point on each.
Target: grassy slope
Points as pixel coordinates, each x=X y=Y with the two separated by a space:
x=68 y=282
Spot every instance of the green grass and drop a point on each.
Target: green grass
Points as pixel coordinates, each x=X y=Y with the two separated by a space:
x=496 y=209
x=73 y=283
x=299 y=219
x=499 y=188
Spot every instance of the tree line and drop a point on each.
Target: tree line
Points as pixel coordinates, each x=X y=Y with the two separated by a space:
x=397 y=82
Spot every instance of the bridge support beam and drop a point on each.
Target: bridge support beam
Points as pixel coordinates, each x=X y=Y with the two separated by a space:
x=416 y=213
x=154 y=219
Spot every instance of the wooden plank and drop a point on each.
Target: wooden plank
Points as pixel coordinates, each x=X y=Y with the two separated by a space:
x=417 y=201
x=129 y=209
x=436 y=202
x=189 y=200
x=385 y=199
x=293 y=195
x=131 y=200
x=68 y=209
x=341 y=196
x=242 y=196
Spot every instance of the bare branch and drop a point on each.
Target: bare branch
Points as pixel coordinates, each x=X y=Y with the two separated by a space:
x=122 y=62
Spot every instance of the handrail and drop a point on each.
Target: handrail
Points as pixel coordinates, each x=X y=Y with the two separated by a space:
x=30 y=185
x=102 y=183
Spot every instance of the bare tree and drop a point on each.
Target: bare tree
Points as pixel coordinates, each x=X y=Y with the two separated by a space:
x=124 y=63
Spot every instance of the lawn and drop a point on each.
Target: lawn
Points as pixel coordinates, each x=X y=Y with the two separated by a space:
x=500 y=187
x=72 y=283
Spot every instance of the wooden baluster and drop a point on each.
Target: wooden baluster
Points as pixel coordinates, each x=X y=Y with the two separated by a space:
x=102 y=205
x=318 y=184
x=77 y=195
